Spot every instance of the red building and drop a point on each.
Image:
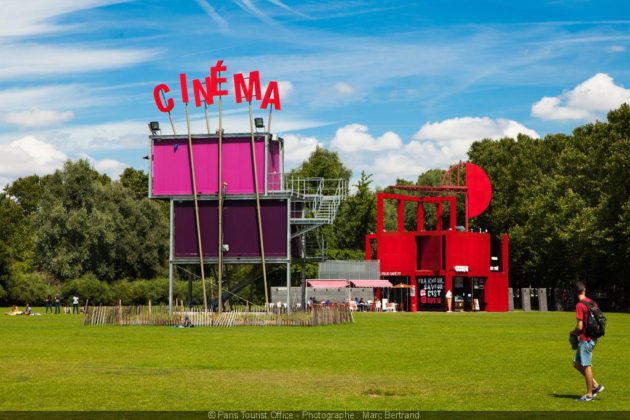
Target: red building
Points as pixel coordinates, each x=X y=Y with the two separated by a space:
x=441 y=256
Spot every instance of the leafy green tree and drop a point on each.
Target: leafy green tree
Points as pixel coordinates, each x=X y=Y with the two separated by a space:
x=323 y=163
x=27 y=192
x=356 y=217
x=30 y=288
x=137 y=181
x=86 y=224
x=88 y=287
x=17 y=240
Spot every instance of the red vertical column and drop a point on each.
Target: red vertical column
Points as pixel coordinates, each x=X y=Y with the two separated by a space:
x=379 y=213
x=413 y=295
x=401 y=215
x=449 y=286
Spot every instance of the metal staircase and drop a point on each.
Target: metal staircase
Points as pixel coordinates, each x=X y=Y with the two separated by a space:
x=314 y=203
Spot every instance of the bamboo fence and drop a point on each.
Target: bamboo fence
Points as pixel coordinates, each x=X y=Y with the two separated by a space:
x=198 y=317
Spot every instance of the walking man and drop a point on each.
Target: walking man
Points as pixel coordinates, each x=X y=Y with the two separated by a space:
x=75 y=304
x=584 y=353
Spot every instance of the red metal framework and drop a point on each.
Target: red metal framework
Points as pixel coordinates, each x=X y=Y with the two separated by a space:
x=447 y=257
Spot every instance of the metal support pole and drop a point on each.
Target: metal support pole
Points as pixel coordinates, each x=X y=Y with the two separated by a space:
x=289 y=254
x=220 y=210
x=289 y=286
x=190 y=279
x=205 y=109
x=266 y=186
x=170 y=118
x=171 y=252
x=303 y=282
x=260 y=226
x=198 y=224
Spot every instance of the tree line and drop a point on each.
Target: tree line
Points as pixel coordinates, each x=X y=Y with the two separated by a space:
x=564 y=200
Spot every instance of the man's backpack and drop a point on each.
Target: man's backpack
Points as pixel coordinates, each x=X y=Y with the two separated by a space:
x=595 y=320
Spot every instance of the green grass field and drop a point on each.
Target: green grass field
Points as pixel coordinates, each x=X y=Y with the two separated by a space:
x=422 y=361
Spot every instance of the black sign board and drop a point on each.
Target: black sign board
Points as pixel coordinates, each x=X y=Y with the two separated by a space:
x=431 y=293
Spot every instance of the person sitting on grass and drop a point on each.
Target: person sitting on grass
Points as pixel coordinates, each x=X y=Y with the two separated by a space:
x=27 y=310
x=185 y=324
x=14 y=311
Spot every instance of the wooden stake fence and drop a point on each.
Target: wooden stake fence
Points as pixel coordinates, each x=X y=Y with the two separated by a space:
x=159 y=315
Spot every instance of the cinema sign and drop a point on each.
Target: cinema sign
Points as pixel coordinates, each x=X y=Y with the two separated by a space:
x=212 y=87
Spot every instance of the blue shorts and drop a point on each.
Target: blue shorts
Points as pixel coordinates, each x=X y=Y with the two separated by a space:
x=584 y=352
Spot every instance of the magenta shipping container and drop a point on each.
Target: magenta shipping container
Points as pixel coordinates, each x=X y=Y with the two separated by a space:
x=240 y=229
x=170 y=165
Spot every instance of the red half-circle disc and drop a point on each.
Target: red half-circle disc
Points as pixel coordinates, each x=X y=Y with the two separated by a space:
x=479 y=189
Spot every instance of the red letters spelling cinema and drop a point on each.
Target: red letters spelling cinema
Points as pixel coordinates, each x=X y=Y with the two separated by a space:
x=442 y=257
x=213 y=88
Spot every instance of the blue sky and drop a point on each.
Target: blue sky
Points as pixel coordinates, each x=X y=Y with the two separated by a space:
x=395 y=87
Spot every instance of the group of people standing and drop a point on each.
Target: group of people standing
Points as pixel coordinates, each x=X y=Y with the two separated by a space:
x=57 y=302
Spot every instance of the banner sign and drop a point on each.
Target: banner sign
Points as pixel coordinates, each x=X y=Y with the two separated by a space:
x=432 y=292
x=211 y=87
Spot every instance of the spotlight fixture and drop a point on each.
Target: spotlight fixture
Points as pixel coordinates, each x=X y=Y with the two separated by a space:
x=259 y=123
x=154 y=127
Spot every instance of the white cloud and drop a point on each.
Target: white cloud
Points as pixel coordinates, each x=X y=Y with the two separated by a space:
x=36 y=117
x=344 y=88
x=48 y=96
x=30 y=155
x=616 y=48
x=32 y=17
x=249 y=7
x=549 y=108
x=27 y=156
x=585 y=102
x=210 y=11
x=298 y=148
x=112 y=135
x=285 y=89
x=284 y=6
x=134 y=134
x=111 y=167
x=471 y=129
x=411 y=160
x=238 y=122
x=29 y=60
x=20 y=20
x=355 y=137
x=435 y=145
x=106 y=136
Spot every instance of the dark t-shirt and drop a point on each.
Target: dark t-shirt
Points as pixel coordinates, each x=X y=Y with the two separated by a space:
x=581 y=312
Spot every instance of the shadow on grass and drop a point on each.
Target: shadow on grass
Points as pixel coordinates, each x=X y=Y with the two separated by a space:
x=572 y=397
